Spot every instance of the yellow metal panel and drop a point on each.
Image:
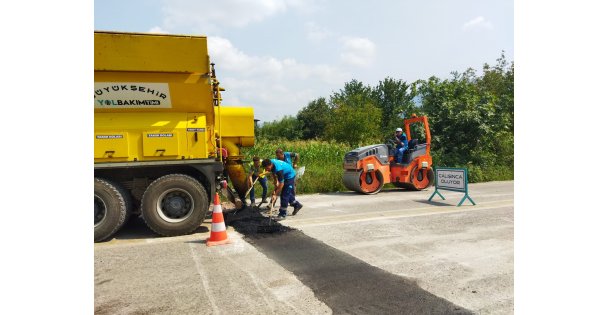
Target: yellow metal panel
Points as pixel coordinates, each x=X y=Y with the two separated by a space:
x=150 y=52
x=236 y=124
x=235 y=121
x=137 y=126
x=196 y=134
x=172 y=116
x=161 y=144
x=111 y=145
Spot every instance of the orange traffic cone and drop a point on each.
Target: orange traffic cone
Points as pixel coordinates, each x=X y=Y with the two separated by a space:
x=218 y=227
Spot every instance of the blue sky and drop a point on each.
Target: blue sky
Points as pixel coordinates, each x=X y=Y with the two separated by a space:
x=278 y=55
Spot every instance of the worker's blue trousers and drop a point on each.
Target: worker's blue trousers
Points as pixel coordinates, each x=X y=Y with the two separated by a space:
x=288 y=196
x=399 y=154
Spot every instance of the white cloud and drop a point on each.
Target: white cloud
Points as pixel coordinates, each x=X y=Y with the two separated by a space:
x=477 y=23
x=316 y=34
x=157 y=30
x=223 y=53
x=307 y=6
x=212 y=16
x=358 y=51
x=275 y=87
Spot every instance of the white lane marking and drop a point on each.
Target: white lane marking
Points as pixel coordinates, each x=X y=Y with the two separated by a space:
x=392 y=214
x=204 y=280
x=399 y=211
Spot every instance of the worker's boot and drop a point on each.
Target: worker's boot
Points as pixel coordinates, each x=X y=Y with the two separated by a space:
x=297 y=208
x=282 y=214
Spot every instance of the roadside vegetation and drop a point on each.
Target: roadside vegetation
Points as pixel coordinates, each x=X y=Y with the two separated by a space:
x=322 y=159
x=471 y=119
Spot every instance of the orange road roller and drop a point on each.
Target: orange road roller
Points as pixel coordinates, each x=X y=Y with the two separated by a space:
x=368 y=168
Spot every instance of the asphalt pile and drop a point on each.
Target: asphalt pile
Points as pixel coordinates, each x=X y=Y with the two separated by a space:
x=254 y=222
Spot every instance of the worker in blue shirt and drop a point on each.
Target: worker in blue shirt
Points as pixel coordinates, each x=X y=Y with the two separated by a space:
x=290 y=157
x=401 y=141
x=284 y=176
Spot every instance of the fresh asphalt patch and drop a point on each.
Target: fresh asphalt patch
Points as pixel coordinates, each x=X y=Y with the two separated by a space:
x=343 y=282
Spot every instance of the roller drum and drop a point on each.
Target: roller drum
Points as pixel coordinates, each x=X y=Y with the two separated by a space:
x=351 y=179
x=368 y=183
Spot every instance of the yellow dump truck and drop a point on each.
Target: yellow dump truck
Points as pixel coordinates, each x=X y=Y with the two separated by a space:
x=159 y=132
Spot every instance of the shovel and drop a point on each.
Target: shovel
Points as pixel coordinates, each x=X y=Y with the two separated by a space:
x=248 y=190
x=272 y=225
x=255 y=181
x=271 y=206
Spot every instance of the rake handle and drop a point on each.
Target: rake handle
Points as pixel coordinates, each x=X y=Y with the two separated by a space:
x=248 y=190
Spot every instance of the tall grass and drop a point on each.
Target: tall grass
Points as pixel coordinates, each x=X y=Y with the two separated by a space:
x=323 y=162
x=479 y=174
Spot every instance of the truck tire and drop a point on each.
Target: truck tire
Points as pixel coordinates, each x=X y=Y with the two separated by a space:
x=111 y=207
x=126 y=196
x=174 y=204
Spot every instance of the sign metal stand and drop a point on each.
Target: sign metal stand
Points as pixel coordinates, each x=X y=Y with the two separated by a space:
x=453 y=179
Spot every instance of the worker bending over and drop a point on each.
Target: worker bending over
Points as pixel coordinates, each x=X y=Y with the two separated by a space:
x=284 y=177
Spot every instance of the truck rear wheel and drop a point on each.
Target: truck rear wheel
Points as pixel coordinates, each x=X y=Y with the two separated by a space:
x=111 y=207
x=174 y=204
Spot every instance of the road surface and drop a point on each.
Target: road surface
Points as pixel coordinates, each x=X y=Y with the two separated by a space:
x=393 y=252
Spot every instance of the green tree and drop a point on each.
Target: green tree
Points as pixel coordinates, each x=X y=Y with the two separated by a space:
x=499 y=82
x=313 y=118
x=354 y=124
x=395 y=100
x=458 y=117
x=354 y=93
x=287 y=127
x=471 y=119
x=355 y=118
